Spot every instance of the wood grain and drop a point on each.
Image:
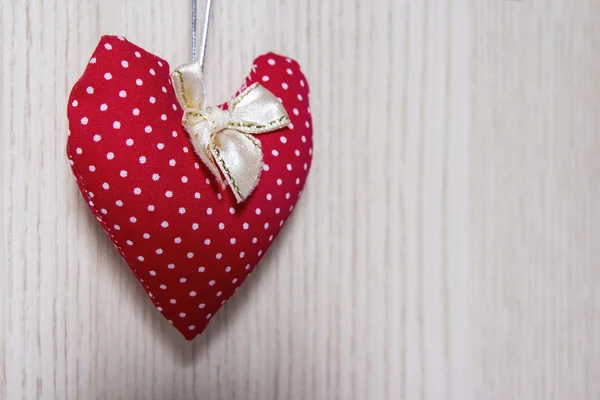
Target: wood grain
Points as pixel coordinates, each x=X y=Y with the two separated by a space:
x=446 y=246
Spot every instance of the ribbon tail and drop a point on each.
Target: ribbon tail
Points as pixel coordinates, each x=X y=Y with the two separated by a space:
x=239 y=156
x=200 y=136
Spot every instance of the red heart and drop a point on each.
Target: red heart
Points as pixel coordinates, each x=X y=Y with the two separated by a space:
x=185 y=238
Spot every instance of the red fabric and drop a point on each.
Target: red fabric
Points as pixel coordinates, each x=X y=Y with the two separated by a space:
x=186 y=240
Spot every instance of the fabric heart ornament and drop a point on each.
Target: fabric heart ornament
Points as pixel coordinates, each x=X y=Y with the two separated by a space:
x=190 y=239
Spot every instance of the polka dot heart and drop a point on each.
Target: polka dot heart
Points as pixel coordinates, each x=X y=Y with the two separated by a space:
x=184 y=237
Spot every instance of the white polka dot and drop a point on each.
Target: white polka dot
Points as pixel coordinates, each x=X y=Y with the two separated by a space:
x=183 y=280
x=137 y=54
x=191 y=327
x=209 y=211
x=142 y=160
x=254 y=240
x=125 y=64
x=245 y=226
x=116 y=125
x=207 y=241
x=181 y=210
x=190 y=255
x=105 y=186
x=89 y=90
x=92 y=168
x=148 y=129
x=184 y=179
x=279 y=182
x=271 y=238
x=303 y=138
x=177 y=240
x=305 y=166
x=201 y=305
x=283 y=139
x=153 y=273
x=133 y=220
x=266 y=225
x=257 y=211
x=221 y=226
x=287 y=196
x=163 y=287
x=84 y=121
x=97 y=138
x=172 y=162
x=195 y=226
x=140 y=258
x=159 y=251
x=103 y=211
x=247 y=267
x=208 y=315
x=201 y=269
x=174 y=107
x=152 y=99
x=91 y=203
x=103 y=107
x=228 y=269
x=146 y=236
x=284 y=85
x=219 y=196
x=275 y=153
x=232 y=240
x=310 y=151
x=260 y=253
x=196 y=165
x=300 y=97
x=197 y=195
x=291 y=126
x=271 y=61
x=163 y=117
x=171 y=266
x=108 y=76
x=150 y=207
x=160 y=146
x=136 y=111
x=242 y=254
x=234 y=280
x=212 y=283
x=265 y=78
x=218 y=256
x=119 y=203
x=207 y=181
x=295 y=111
x=164 y=89
x=78 y=150
x=152 y=72
x=289 y=71
x=122 y=94
x=164 y=224
x=265 y=167
x=297 y=181
x=74 y=103
x=277 y=210
x=307 y=124
x=219 y=293
x=231 y=210
x=93 y=60
x=174 y=133
x=289 y=167
x=192 y=294
x=107 y=46
x=297 y=152
x=302 y=83
x=129 y=142
x=123 y=173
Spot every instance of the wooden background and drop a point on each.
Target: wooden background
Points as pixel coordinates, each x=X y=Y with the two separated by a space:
x=447 y=245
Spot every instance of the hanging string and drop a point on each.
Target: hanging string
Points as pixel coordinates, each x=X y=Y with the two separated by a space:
x=204 y=31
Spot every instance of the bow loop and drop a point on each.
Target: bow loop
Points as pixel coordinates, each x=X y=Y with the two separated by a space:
x=223 y=139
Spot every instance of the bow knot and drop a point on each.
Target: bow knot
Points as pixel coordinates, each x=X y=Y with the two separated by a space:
x=224 y=139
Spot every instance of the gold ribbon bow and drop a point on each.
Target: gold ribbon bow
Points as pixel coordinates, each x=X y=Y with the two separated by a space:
x=223 y=139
